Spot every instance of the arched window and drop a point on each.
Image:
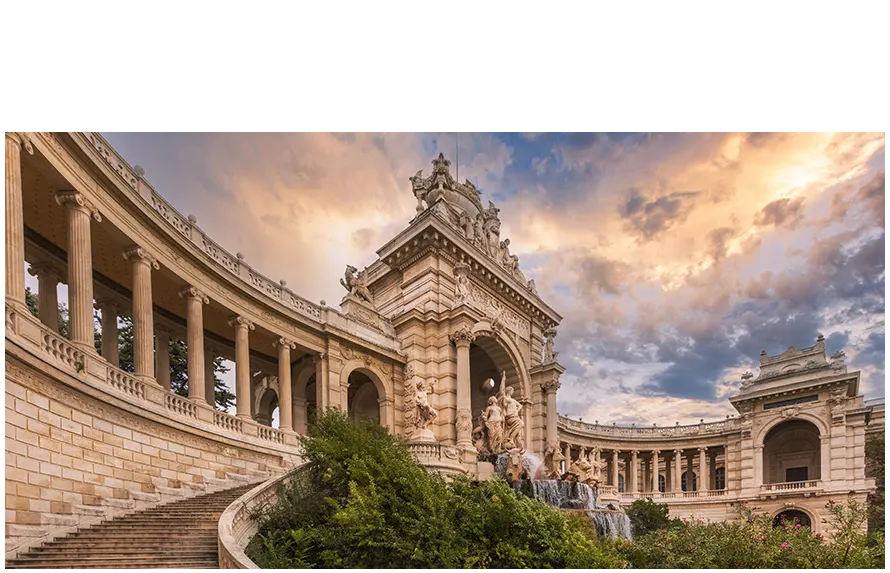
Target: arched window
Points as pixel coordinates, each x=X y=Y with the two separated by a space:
x=792 y=516
x=694 y=482
x=660 y=483
x=720 y=478
x=620 y=482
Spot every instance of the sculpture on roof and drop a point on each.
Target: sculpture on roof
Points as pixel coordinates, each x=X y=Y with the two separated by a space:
x=356 y=283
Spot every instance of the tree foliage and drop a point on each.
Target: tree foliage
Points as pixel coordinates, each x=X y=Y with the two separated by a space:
x=874 y=468
x=647 y=516
x=363 y=501
x=178 y=353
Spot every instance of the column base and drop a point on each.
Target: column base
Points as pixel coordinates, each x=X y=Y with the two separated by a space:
x=422 y=435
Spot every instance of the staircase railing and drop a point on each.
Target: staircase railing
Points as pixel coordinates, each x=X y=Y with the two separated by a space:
x=236 y=527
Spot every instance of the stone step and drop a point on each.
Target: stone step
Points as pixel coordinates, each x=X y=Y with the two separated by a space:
x=180 y=552
x=118 y=564
x=150 y=543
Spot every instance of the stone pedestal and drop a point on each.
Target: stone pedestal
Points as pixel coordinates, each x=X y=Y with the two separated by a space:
x=422 y=435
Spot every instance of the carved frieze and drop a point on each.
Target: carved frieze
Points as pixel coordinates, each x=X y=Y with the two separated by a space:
x=497 y=312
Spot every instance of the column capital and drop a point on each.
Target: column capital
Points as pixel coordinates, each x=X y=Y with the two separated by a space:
x=462 y=335
x=240 y=322
x=46 y=269
x=656 y=452
x=319 y=357
x=22 y=139
x=76 y=200
x=140 y=255
x=193 y=292
x=678 y=451
x=703 y=449
x=550 y=386
x=284 y=342
x=634 y=453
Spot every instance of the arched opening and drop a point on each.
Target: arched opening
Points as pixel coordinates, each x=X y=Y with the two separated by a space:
x=792 y=516
x=720 y=478
x=791 y=453
x=362 y=398
x=694 y=481
x=488 y=361
x=267 y=405
x=311 y=406
x=621 y=483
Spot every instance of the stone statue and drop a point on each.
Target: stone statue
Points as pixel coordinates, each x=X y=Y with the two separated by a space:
x=357 y=284
x=418 y=411
x=513 y=424
x=596 y=467
x=462 y=286
x=504 y=247
x=493 y=419
x=479 y=230
x=532 y=287
x=549 y=354
x=550 y=468
x=419 y=191
x=480 y=439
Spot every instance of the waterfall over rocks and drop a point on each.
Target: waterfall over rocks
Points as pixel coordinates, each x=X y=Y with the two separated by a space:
x=565 y=495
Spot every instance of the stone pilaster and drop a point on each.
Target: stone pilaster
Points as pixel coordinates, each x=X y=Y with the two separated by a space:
x=110 y=348
x=549 y=389
x=655 y=472
x=48 y=277
x=285 y=399
x=321 y=382
x=15 y=224
x=464 y=423
x=143 y=311
x=678 y=471
x=634 y=471
x=80 y=267
x=162 y=358
x=194 y=302
x=242 y=365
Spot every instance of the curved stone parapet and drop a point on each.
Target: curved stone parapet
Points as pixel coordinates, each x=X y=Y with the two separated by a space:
x=719 y=427
x=236 y=527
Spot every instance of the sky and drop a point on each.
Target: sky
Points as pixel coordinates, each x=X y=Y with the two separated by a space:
x=673 y=258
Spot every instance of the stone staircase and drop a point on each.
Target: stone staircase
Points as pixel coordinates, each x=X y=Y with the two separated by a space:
x=177 y=535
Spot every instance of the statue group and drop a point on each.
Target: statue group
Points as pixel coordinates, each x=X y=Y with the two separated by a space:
x=500 y=428
x=419 y=413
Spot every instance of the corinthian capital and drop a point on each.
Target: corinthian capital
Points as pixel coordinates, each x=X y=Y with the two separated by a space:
x=46 y=269
x=23 y=139
x=241 y=322
x=285 y=342
x=139 y=254
x=192 y=292
x=462 y=334
x=76 y=200
x=550 y=385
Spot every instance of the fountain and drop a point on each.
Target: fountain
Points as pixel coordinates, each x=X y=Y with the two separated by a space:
x=567 y=495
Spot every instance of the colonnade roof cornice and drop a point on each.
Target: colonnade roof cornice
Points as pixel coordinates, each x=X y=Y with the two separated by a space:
x=801 y=386
x=429 y=226
x=662 y=434
x=195 y=257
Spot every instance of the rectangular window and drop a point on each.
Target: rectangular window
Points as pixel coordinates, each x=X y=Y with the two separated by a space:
x=791 y=402
x=796 y=474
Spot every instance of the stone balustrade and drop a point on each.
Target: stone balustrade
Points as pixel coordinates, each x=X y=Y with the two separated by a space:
x=790 y=486
x=237 y=526
x=124 y=382
x=701 y=429
x=181 y=405
x=271 y=434
x=228 y=422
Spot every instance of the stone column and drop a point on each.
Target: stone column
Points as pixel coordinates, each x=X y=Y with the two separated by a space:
x=48 y=276
x=678 y=471
x=568 y=455
x=242 y=365
x=615 y=468
x=668 y=474
x=298 y=406
x=194 y=312
x=655 y=471
x=689 y=472
x=285 y=400
x=549 y=389
x=703 y=469
x=321 y=382
x=209 y=377
x=462 y=339
x=80 y=268
x=758 y=465
x=110 y=348
x=634 y=471
x=143 y=311
x=162 y=357
x=15 y=223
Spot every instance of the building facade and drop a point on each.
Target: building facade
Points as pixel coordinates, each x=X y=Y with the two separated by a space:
x=425 y=338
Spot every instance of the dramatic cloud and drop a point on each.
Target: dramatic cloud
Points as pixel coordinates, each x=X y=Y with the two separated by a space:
x=674 y=258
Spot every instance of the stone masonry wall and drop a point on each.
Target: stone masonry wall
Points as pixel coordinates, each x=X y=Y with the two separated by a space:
x=73 y=460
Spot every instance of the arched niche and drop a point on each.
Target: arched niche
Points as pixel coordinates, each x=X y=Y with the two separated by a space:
x=356 y=375
x=792 y=452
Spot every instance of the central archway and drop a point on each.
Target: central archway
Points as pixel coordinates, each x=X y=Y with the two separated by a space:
x=792 y=453
x=490 y=356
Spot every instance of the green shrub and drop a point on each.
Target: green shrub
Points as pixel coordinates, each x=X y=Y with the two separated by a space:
x=647 y=516
x=753 y=542
x=363 y=501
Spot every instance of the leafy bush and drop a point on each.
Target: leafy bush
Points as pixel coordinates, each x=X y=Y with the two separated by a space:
x=647 y=516
x=753 y=542
x=874 y=468
x=363 y=501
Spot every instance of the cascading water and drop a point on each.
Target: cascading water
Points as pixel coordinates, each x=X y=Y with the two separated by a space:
x=564 y=494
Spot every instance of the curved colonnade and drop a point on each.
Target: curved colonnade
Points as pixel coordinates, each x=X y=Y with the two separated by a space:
x=87 y=439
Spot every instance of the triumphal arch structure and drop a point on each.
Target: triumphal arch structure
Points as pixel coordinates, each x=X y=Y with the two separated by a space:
x=443 y=340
